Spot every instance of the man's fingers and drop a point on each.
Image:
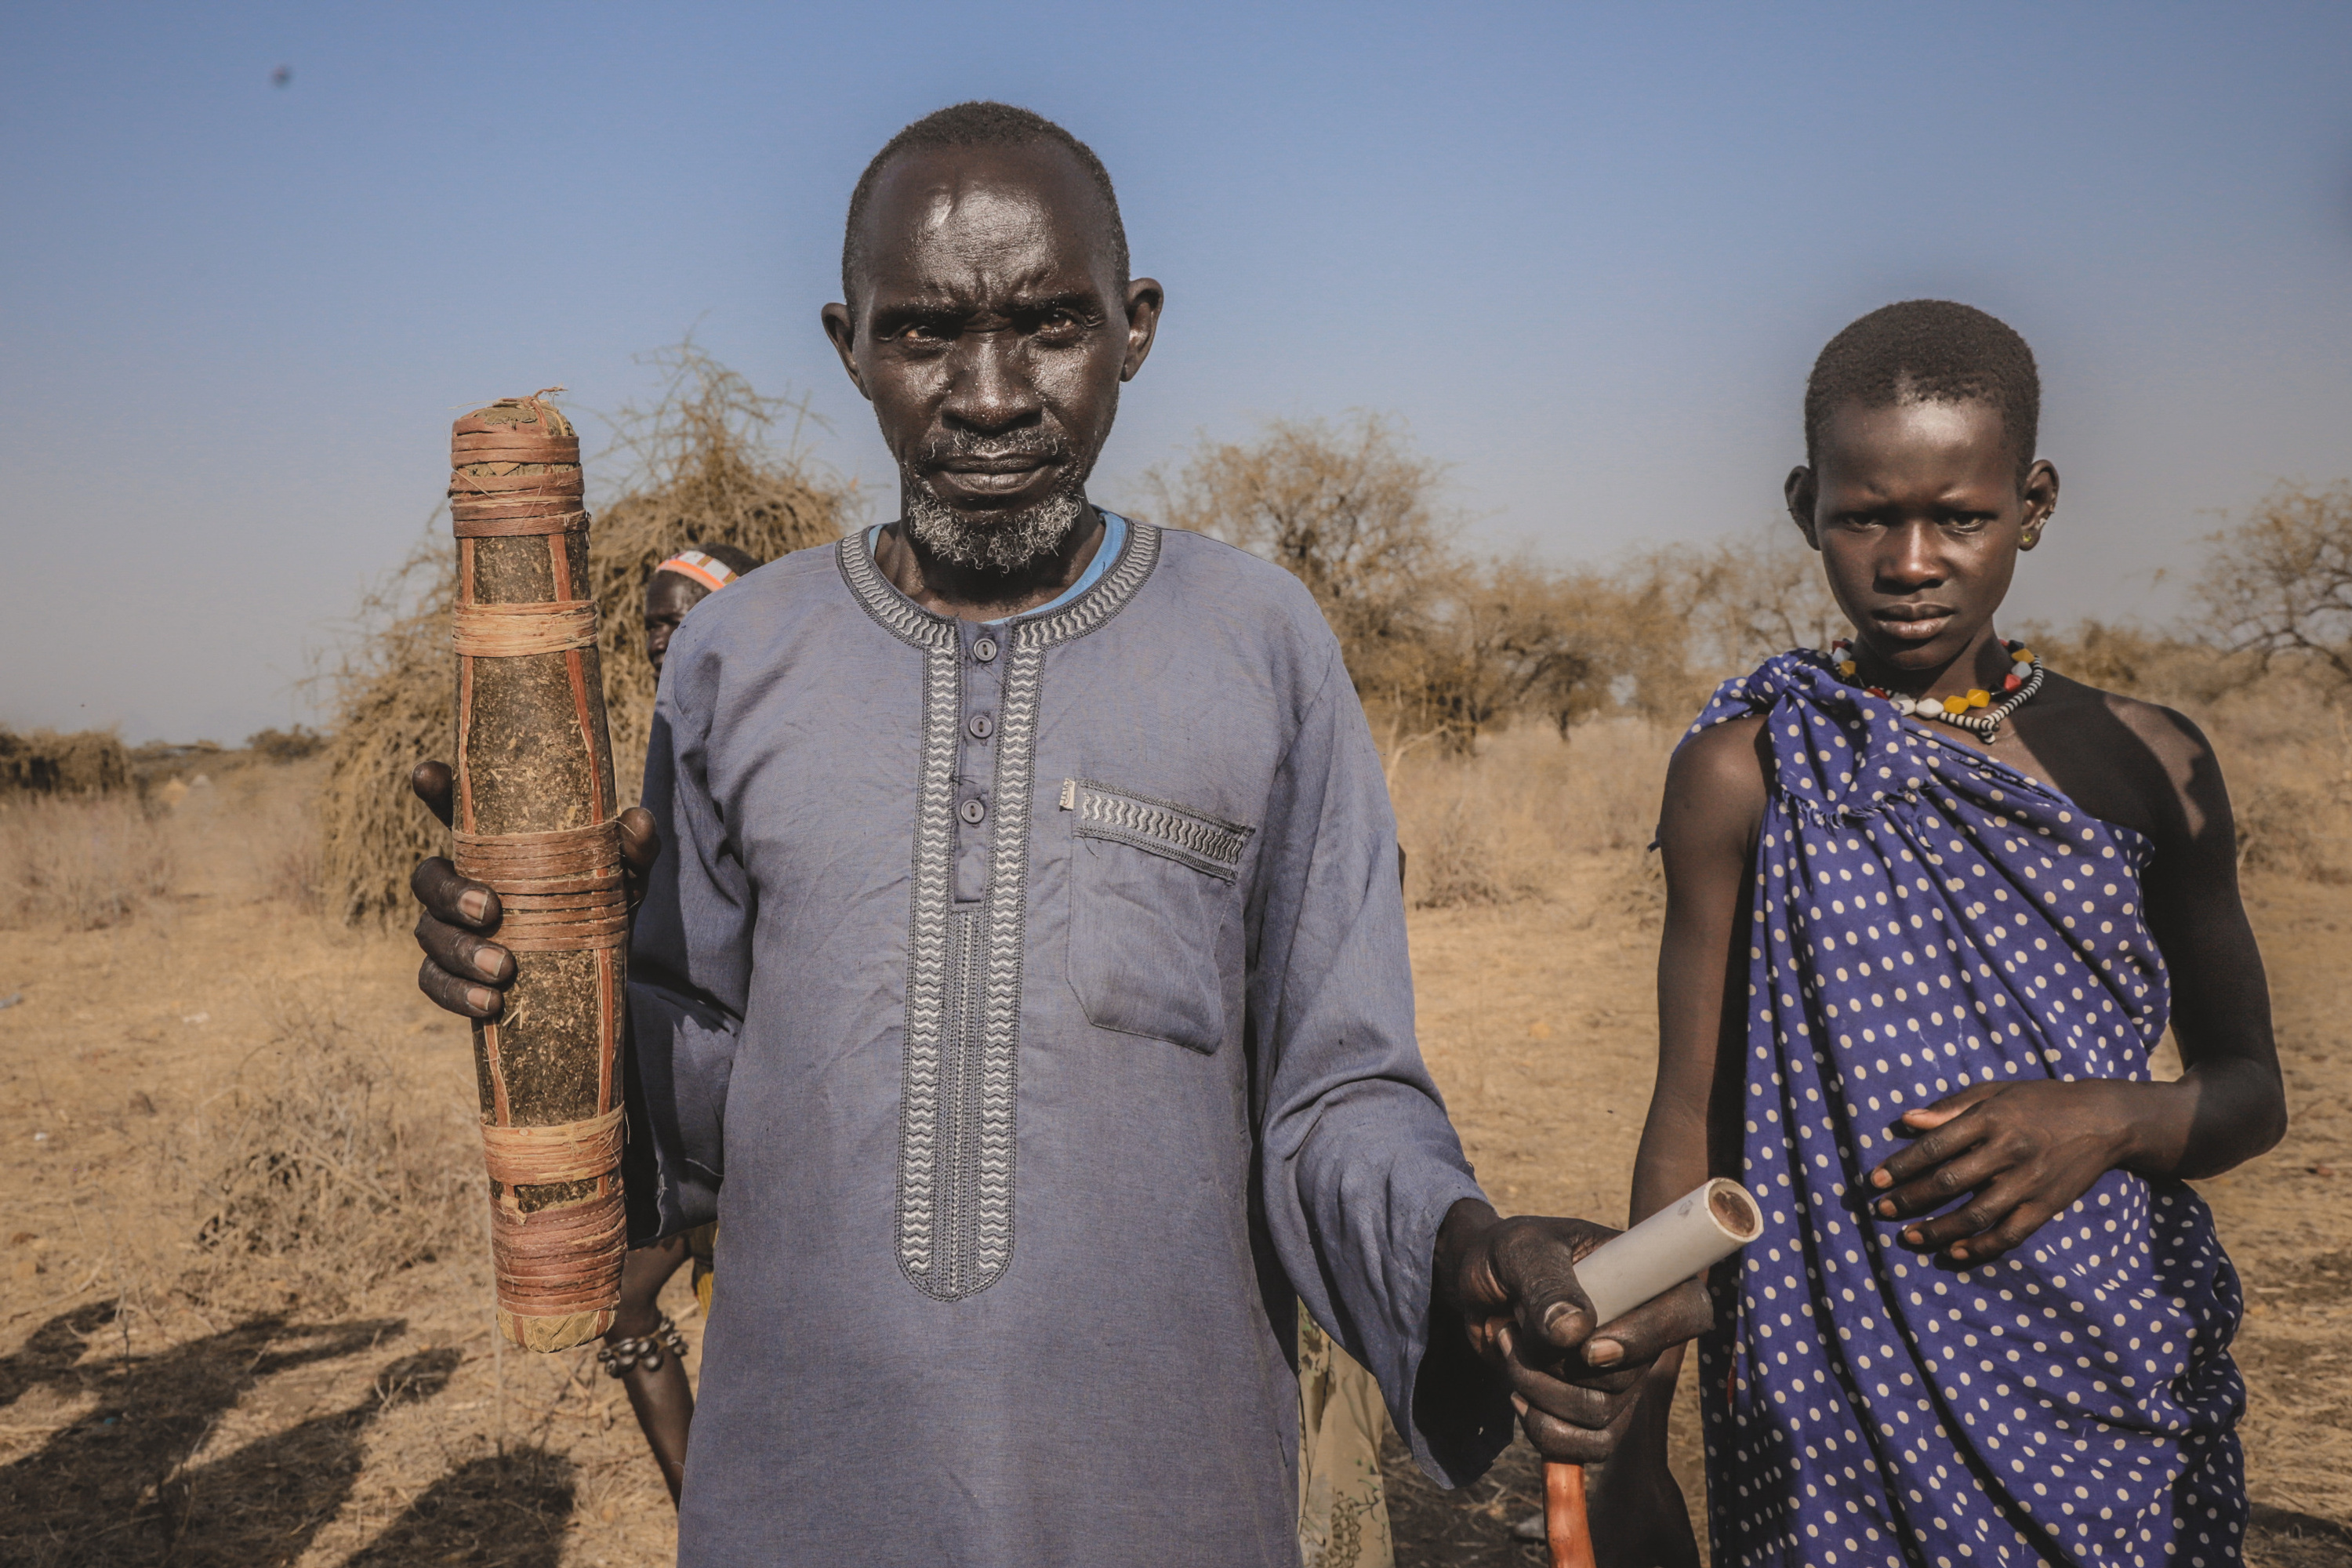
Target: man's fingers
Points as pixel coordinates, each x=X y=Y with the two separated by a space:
x=1578 y=1404
x=451 y=899
x=1536 y=1267
x=468 y=957
x=640 y=848
x=1568 y=1442
x=457 y=996
x=1629 y=1343
x=435 y=785
x=1931 y=1150
x=1944 y=1185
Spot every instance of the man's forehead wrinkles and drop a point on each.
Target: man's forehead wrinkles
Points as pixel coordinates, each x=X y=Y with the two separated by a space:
x=979 y=283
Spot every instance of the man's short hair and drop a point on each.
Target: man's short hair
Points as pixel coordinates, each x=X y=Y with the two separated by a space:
x=980 y=123
x=1928 y=351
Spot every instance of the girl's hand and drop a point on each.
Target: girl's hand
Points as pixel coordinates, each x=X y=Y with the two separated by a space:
x=2022 y=1152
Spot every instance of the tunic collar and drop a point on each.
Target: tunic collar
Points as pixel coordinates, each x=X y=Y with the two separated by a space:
x=910 y=623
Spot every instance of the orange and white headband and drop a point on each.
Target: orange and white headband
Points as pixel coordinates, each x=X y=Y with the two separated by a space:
x=696 y=567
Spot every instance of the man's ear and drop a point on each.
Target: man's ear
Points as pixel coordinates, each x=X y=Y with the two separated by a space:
x=1802 y=491
x=2040 y=495
x=1144 y=298
x=842 y=328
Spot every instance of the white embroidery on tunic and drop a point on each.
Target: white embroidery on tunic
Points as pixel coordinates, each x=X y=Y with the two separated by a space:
x=957 y=1122
x=1162 y=828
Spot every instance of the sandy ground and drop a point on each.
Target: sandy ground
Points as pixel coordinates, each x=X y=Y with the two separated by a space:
x=268 y=1428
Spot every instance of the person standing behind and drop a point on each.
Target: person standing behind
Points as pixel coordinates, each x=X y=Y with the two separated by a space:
x=1928 y=908
x=644 y=1348
x=682 y=582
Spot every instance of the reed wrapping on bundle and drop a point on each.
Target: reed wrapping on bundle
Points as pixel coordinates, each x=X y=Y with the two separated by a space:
x=535 y=821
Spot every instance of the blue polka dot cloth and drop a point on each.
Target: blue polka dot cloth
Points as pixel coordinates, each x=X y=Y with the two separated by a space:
x=1924 y=918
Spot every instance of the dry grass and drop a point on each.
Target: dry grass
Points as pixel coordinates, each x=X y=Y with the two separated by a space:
x=80 y=864
x=1531 y=816
x=319 y=1173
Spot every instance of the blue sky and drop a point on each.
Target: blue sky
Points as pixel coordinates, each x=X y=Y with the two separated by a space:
x=1586 y=253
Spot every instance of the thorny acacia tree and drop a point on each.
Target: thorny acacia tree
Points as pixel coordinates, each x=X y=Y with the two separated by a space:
x=1440 y=648
x=2279 y=584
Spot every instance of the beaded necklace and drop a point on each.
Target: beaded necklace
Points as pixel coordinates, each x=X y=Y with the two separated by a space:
x=2023 y=679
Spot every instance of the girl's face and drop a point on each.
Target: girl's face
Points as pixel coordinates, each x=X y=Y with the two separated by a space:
x=1916 y=510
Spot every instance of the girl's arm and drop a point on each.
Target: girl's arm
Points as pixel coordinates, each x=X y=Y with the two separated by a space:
x=1707 y=827
x=2025 y=1151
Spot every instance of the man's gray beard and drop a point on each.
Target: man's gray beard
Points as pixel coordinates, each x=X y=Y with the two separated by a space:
x=1007 y=544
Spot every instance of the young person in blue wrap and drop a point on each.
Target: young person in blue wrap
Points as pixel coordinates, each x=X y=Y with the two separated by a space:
x=1930 y=909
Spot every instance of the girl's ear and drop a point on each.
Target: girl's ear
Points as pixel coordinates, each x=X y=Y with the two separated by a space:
x=1801 y=491
x=2040 y=495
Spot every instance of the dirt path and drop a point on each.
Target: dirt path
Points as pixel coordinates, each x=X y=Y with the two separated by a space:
x=387 y=1429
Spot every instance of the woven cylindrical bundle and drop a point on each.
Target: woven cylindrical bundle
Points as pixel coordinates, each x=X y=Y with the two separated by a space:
x=535 y=820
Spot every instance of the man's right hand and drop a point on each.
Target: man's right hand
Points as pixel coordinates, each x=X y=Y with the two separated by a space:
x=463 y=971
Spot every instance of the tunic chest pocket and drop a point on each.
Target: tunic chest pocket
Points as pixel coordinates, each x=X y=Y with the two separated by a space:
x=1152 y=897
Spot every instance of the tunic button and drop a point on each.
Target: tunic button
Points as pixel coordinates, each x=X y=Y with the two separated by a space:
x=982 y=727
x=971 y=811
x=984 y=650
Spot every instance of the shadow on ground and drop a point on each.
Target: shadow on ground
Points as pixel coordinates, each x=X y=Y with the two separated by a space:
x=116 y=1486
x=1468 y=1528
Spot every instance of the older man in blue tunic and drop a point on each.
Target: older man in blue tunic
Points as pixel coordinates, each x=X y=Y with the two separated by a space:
x=1021 y=976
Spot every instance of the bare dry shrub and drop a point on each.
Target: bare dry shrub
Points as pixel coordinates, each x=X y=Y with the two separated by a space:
x=1706 y=614
x=1442 y=647
x=286 y=745
x=80 y=864
x=322 y=1177
x=85 y=762
x=1350 y=510
x=2278 y=584
x=701 y=464
x=698 y=465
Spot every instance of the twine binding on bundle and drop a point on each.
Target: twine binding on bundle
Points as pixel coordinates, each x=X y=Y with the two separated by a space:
x=512 y=631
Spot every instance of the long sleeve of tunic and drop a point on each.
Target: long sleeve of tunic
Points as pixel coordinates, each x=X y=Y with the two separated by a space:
x=1030 y=1001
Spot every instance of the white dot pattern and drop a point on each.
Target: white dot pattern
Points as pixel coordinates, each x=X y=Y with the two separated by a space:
x=1926 y=918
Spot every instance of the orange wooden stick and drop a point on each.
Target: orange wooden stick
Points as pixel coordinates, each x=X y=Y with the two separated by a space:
x=1565 y=1527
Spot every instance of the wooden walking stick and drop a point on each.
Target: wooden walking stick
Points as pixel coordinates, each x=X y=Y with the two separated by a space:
x=535 y=821
x=1693 y=1233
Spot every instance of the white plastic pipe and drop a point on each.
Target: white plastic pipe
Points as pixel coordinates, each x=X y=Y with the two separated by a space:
x=1700 y=1228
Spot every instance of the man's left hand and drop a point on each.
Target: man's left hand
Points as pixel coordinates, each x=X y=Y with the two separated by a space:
x=1514 y=1283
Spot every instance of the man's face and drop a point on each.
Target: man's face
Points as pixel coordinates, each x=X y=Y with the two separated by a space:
x=1919 y=516
x=668 y=598
x=992 y=336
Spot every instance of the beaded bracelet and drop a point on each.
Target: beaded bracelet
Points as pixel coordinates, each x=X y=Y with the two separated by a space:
x=622 y=1357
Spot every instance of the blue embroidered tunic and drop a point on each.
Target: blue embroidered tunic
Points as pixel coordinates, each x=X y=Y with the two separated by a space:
x=1030 y=1001
x=1926 y=918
